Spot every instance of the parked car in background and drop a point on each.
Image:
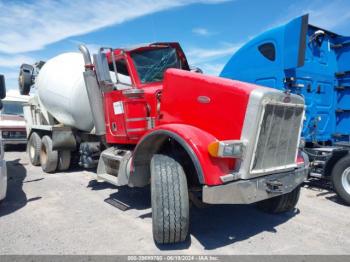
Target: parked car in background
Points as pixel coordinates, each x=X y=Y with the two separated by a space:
x=3 y=169
x=3 y=173
x=12 y=124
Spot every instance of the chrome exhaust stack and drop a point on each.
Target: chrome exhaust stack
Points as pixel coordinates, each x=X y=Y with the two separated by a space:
x=94 y=93
x=86 y=55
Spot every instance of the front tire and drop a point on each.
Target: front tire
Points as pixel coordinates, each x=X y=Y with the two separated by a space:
x=48 y=157
x=341 y=179
x=280 y=204
x=170 y=202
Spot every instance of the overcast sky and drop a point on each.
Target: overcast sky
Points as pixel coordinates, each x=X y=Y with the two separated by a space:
x=210 y=31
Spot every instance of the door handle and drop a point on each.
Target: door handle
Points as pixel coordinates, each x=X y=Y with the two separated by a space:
x=114 y=126
x=318 y=89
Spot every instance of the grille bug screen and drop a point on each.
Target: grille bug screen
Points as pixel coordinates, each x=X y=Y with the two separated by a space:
x=278 y=137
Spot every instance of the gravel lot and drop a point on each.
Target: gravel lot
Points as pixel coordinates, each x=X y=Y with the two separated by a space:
x=65 y=213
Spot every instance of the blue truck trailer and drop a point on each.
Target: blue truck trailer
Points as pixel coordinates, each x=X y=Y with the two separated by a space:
x=315 y=63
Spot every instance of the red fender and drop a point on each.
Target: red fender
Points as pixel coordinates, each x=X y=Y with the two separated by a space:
x=195 y=141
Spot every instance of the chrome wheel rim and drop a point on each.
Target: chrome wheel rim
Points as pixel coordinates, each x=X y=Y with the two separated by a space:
x=345 y=180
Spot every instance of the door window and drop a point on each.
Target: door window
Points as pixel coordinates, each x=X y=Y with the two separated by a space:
x=122 y=74
x=268 y=50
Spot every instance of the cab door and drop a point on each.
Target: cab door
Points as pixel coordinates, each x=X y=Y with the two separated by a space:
x=126 y=110
x=315 y=81
x=114 y=116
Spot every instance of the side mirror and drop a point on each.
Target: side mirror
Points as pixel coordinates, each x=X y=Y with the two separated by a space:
x=196 y=70
x=2 y=87
x=106 y=77
x=102 y=69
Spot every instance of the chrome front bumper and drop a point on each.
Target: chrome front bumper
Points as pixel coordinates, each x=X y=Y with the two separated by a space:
x=13 y=141
x=256 y=189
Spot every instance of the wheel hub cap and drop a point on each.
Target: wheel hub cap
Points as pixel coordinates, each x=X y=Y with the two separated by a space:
x=345 y=180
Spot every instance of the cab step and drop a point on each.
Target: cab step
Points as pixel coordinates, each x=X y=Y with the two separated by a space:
x=113 y=166
x=116 y=203
x=339 y=110
x=339 y=135
x=341 y=88
x=316 y=175
x=342 y=74
x=108 y=178
x=342 y=45
x=319 y=163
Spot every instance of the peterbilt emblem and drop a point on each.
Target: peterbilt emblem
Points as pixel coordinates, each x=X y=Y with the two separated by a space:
x=203 y=99
x=287 y=99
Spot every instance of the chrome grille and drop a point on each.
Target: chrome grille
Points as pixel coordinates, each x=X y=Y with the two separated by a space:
x=278 y=138
x=14 y=134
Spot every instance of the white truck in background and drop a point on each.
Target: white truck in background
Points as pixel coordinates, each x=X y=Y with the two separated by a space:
x=12 y=123
x=3 y=169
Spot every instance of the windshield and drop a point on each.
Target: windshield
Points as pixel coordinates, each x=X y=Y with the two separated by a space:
x=12 y=108
x=151 y=64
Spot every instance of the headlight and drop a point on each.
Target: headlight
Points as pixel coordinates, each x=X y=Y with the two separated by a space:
x=4 y=134
x=227 y=148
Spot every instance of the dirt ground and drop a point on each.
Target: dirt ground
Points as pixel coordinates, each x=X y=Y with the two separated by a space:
x=65 y=213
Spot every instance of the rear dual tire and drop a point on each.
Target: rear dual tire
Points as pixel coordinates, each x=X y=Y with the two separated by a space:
x=170 y=202
x=52 y=160
x=34 y=148
x=48 y=157
x=40 y=153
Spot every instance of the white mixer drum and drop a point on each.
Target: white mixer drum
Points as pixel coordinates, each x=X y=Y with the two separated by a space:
x=61 y=90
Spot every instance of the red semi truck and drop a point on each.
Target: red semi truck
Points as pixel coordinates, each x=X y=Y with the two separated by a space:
x=142 y=118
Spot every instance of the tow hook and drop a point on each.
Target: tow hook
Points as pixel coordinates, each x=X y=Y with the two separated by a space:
x=274 y=186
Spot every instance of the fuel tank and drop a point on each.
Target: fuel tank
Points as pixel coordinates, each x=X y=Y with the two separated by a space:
x=61 y=90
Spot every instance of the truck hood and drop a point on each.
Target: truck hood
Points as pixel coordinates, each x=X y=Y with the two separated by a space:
x=12 y=121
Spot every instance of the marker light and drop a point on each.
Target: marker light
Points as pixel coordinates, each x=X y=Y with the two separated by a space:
x=227 y=148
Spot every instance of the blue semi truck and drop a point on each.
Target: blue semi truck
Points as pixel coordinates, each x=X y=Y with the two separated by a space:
x=315 y=63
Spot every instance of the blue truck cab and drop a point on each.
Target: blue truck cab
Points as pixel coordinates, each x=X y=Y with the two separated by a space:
x=315 y=63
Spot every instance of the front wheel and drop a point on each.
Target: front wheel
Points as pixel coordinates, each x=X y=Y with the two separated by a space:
x=341 y=179
x=280 y=204
x=170 y=202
